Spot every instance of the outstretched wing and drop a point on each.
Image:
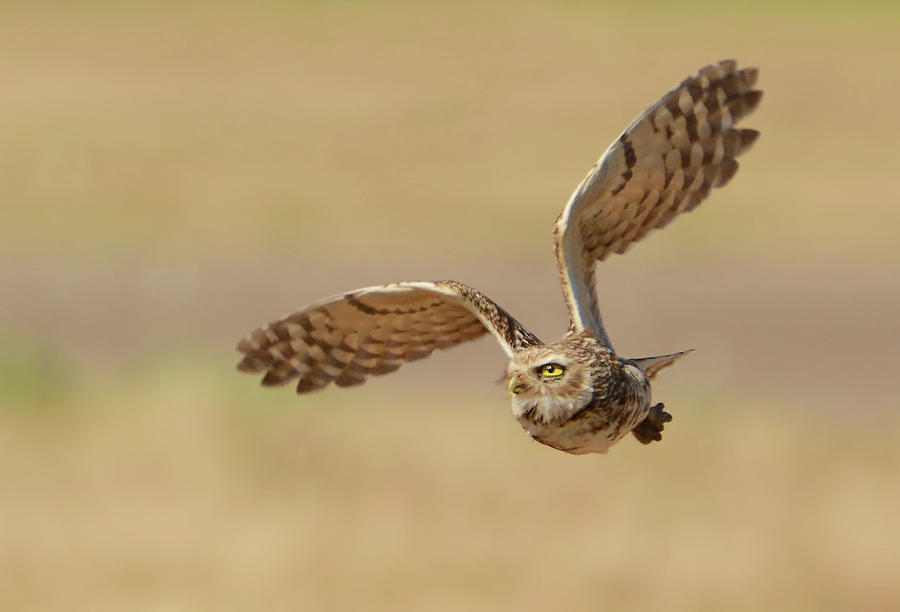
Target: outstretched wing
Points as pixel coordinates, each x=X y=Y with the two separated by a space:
x=372 y=331
x=666 y=162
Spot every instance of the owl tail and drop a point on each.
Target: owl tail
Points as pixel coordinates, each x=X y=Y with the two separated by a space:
x=652 y=365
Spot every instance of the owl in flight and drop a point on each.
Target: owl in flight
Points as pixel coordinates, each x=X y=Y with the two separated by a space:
x=576 y=395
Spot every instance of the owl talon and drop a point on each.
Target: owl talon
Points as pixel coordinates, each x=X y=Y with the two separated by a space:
x=658 y=416
x=650 y=429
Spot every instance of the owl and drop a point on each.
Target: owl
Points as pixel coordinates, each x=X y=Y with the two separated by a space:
x=575 y=395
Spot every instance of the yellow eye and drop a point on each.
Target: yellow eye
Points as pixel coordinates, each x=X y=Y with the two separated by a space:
x=551 y=370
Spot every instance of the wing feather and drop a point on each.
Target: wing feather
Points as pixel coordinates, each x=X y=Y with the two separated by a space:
x=368 y=332
x=665 y=163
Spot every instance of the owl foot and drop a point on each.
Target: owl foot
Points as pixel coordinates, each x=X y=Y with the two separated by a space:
x=650 y=429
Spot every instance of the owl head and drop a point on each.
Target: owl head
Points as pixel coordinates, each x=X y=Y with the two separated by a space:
x=549 y=383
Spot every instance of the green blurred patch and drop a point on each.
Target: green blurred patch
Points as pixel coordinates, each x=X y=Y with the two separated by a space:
x=32 y=376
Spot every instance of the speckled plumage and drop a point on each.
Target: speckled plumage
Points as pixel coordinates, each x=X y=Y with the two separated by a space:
x=574 y=395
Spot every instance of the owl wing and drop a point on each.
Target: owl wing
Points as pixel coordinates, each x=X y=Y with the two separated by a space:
x=373 y=331
x=665 y=163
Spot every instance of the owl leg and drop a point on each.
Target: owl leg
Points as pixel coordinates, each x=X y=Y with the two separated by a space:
x=650 y=429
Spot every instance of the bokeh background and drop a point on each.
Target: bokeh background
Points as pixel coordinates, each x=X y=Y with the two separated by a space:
x=173 y=175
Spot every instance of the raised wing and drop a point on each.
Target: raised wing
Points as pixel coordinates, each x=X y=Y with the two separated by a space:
x=372 y=331
x=665 y=163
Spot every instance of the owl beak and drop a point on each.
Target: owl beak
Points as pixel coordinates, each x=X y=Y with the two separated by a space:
x=514 y=386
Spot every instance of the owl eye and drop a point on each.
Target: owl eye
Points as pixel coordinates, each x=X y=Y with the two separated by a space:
x=551 y=370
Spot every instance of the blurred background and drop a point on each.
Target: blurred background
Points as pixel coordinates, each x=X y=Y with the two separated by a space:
x=173 y=175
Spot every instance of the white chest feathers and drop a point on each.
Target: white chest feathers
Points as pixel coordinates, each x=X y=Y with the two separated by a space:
x=550 y=407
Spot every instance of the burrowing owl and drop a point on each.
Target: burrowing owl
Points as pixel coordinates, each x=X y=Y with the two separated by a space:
x=575 y=395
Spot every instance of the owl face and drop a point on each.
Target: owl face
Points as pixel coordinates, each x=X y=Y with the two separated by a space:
x=548 y=384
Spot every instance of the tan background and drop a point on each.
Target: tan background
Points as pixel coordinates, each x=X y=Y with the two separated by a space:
x=173 y=175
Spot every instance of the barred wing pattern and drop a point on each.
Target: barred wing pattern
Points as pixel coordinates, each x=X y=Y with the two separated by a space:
x=665 y=163
x=374 y=331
